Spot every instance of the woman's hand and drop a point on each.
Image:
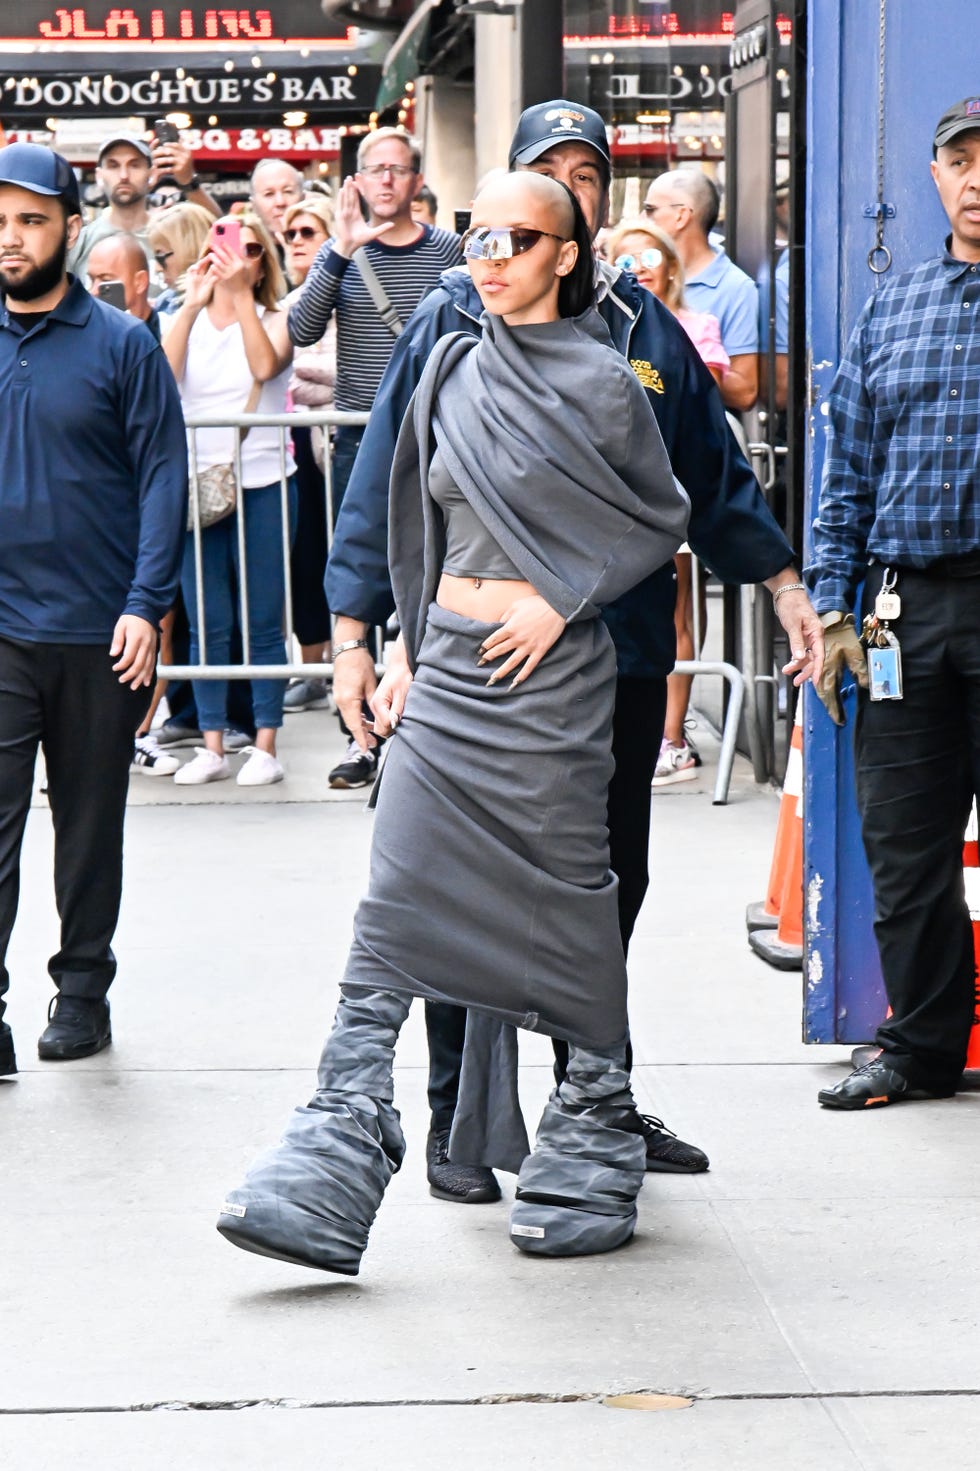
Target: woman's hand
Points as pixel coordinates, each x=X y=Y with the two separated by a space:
x=529 y=629
x=231 y=270
x=198 y=285
x=388 y=701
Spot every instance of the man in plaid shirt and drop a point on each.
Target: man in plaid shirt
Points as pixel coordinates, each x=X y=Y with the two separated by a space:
x=900 y=503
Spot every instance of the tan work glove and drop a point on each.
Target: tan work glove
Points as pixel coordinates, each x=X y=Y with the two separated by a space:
x=842 y=650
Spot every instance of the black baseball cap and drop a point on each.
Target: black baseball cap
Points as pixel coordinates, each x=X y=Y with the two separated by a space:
x=34 y=167
x=132 y=139
x=547 y=123
x=962 y=117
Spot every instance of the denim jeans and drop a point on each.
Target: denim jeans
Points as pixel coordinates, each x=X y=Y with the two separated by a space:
x=266 y=598
x=347 y=441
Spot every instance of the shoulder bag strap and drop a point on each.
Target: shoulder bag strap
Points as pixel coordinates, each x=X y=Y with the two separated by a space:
x=251 y=404
x=377 y=293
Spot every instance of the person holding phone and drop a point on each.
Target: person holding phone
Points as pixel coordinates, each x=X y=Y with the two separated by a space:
x=117 y=273
x=128 y=166
x=530 y=485
x=228 y=340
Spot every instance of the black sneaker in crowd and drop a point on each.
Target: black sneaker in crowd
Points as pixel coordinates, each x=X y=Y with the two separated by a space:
x=8 y=1062
x=875 y=1085
x=76 y=1028
x=666 y=1154
x=464 y=1184
x=358 y=768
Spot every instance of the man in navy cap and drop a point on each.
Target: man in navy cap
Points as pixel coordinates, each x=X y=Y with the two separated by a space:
x=93 y=504
x=730 y=528
x=899 y=512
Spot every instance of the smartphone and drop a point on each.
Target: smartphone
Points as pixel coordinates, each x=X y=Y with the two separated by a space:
x=227 y=234
x=461 y=220
x=164 y=131
x=114 y=292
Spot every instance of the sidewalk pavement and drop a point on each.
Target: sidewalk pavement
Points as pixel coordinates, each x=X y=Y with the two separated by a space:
x=814 y=1295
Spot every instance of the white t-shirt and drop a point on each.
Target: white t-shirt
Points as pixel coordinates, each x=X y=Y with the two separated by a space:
x=217 y=381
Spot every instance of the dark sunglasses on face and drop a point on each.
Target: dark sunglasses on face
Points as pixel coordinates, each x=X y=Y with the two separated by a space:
x=651 y=259
x=252 y=250
x=301 y=232
x=162 y=256
x=482 y=243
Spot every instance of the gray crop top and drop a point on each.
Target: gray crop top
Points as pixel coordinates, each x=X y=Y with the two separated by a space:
x=470 y=549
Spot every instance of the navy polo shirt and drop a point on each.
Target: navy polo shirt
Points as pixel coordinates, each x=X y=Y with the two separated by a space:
x=93 y=474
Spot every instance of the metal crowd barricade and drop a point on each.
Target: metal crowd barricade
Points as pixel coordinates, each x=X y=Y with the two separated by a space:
x=736 y=692
x=324 y=419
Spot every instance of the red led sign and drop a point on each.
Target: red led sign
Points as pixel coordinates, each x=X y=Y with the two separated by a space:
x=147 y=24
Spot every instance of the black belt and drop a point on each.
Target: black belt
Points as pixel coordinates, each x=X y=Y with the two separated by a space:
x=967 y=565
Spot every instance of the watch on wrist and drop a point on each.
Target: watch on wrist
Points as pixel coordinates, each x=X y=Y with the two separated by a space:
x=350 y=643
x=192 y=185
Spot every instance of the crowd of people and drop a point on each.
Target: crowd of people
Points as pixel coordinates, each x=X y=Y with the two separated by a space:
x=334 y=281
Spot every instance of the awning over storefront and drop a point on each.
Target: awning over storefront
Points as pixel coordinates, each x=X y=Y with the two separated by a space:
x=407 y=57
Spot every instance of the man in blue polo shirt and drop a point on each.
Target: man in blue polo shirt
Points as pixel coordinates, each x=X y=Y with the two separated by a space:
x=93 y=501
x=730 y=527
x=686 y=203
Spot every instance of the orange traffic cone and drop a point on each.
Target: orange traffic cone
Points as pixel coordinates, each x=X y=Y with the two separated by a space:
x=776 y=924
x=971 y=878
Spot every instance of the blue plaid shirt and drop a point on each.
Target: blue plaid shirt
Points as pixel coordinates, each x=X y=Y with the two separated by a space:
x=902 y=475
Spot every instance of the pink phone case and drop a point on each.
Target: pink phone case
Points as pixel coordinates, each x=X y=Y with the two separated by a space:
x=228 y=235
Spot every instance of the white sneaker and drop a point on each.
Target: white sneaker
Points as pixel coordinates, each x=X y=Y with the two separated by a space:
x=206 y=766
x=675 y=763
x=149 y=760
x=260 y=770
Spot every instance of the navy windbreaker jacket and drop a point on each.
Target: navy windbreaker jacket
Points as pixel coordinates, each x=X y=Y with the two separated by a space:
x=731 y=527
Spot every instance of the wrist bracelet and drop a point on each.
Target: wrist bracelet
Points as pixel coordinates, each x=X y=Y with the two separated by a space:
x=351 y=643
x=787 y=587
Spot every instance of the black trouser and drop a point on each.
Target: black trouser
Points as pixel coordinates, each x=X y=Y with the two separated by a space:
x=638 y=726
x=918 y=767
x=67 y=697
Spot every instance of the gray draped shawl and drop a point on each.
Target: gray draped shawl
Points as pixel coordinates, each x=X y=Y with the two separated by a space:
x=550 y=437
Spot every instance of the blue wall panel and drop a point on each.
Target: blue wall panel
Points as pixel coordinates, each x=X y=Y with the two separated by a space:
x=931 y=60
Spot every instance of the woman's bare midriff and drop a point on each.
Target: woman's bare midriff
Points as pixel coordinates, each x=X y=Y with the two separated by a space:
x=485 y=599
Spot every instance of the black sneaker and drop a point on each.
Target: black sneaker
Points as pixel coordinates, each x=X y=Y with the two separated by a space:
x=358 y=768
x=668 y=1155
x=464 y=1184
x=76 y=1028
x=874 y=1086
x=8 y=1062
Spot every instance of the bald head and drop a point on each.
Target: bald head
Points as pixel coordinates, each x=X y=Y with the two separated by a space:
x=525 y=199
x=275 y=185
x=121 y=258
x=694 y=186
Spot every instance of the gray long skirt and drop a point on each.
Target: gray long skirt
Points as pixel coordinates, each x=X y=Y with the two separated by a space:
x=490 y=884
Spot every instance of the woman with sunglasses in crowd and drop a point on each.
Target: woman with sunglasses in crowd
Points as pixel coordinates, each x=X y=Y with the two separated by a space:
x=652 y=257
x=305 y=227
x=177 y=238
x=230 y=351
x=530 y=487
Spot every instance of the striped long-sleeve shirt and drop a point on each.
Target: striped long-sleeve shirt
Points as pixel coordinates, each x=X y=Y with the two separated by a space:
x=364 y=343
x=902 y=476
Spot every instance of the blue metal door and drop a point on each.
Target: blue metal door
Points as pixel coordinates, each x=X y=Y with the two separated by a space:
x=930 y=61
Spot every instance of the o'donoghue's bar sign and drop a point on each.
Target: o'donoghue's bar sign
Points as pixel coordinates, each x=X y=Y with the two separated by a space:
x=328 y=90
